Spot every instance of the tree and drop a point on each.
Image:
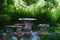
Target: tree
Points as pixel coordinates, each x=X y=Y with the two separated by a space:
x=41 y=13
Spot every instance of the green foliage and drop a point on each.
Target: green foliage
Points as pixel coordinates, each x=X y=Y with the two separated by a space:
x=4 y=19
x=49 y=37
x=2 y=1
x=58 y=14
x=52 y=30
x=29 y=2
x=10 y=2
x=58 y=20
x=35 y=28
x=58 y=36
x=43 y=14
x=51 y=3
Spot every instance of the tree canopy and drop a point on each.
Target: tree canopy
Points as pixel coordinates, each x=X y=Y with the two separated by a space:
x=11 y=10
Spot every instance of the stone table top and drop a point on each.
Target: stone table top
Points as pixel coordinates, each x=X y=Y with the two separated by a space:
x=27 y=19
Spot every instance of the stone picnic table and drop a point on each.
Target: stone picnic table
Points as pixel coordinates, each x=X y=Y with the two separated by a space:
x=27 y=22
